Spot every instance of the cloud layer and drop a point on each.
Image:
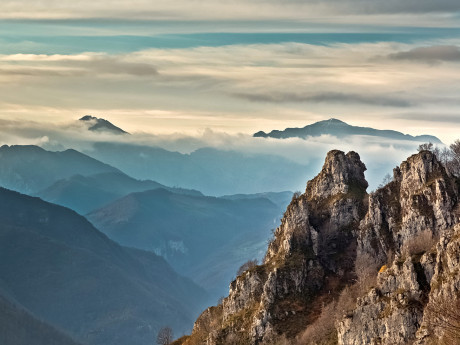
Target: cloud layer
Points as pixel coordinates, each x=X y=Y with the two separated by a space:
x=431 y=54
x=380 y=155
x=215 y=9
x=242 y=88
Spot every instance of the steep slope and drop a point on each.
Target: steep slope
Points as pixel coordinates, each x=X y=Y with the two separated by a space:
x=312 y=249
x=18 y=327
x=28 y=169
x=331 y=237
x=58 y=266
x=205 y=238
x=341 y=129
x=87 y=193
x=401 y=227
x=211 y=171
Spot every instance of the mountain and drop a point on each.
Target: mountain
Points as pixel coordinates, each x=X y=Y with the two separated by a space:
x=87 y=193
x=101 y=125
x=281 y=199
x=346 y=267
x=211 y=171
x=341 y=129
x=28 y=168
x=67 y=273
x=204 y=238
x=19 y=327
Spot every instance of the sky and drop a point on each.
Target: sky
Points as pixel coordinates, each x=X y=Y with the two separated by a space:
x=191 y=67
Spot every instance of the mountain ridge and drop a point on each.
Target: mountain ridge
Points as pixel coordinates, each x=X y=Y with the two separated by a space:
x=341 y=129
x=71 y=275
x=88 y=193
x=30 y=168
x=206 y=238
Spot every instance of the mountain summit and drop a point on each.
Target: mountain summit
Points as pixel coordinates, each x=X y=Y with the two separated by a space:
x=101 y=125
x=342 y=129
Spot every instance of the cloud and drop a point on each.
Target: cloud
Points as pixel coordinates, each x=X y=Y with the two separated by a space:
x=72 y=65
x=326 y=97
x=234 y=89
x=380 y=155
x=219 y=9
x=430 y=54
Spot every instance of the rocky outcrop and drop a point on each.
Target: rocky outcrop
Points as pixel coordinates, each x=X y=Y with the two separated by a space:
x=403 y=221
x=409 y=295
x=314 y=242
x=421 y=197
x=313 y=254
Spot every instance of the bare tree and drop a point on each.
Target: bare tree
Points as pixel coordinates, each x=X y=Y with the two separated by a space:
x=165 y=336
x=246 y=266
x=386 y=179
x=444 y=156
x=454 y=161
x=443 y=315
x=425 y=147
x=366 y=269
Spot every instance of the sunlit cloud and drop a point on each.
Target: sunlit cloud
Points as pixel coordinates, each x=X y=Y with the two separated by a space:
x=237 y=88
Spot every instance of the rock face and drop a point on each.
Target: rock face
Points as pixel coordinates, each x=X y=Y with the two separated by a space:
x=409 y=295
x=313 y=253
x=313 y=244
x=421 y=197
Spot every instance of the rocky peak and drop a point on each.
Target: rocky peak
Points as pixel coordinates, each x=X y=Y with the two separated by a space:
x=419 y=170
x=340 y=173
x=314 y=243
x=313 y=254
x=422 y=197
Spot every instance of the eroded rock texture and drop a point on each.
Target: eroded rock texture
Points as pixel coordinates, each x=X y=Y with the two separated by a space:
x=312 y=257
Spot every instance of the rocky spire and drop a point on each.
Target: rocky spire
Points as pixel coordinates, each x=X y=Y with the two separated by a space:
x=314 y=242
x=313 y=253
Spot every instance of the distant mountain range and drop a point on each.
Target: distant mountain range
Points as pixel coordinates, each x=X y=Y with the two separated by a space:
x=230 y=230
x=67 y=273
x=205 y=238
x=341 y=129
x=32 y=170
x=87 y=193
x=211 y=171
x=29 y=169
x=101 y=125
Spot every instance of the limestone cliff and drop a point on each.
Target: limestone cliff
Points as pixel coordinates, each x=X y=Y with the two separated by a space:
x=312 y=257
x=421 y=197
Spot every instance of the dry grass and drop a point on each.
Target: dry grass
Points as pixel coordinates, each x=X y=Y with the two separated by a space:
x=419 y=244
x=322 y=331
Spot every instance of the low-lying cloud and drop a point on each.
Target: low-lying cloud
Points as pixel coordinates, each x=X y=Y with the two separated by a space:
x=325 y=97
x=380 y=155
x=430 y=54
